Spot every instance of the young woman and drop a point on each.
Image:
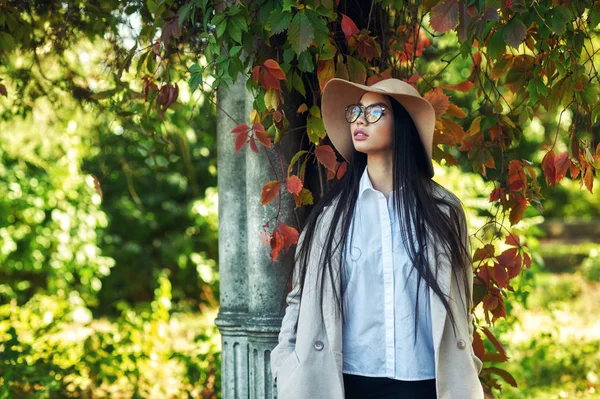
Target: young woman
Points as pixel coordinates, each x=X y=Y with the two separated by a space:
x=382 y=282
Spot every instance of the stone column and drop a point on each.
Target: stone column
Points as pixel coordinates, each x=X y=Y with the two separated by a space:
x=251 y=285
x=233 y=251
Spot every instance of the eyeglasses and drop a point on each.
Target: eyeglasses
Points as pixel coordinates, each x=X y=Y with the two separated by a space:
x=373 y=112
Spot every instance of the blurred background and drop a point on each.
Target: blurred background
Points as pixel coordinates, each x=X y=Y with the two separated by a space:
x=109 y=271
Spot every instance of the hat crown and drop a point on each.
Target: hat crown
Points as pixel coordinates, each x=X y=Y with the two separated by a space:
x=392 y=85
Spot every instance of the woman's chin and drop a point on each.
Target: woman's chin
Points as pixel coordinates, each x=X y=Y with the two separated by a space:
x=361 y=146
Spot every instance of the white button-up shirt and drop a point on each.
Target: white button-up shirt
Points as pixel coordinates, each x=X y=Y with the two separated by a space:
x=379 y=293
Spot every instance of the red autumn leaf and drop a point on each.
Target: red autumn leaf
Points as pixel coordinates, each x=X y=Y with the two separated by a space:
x=258 y=127
x=444 y=16
x=496 y=193
x=516 y=175
x=342 y=170
x=348 y=27
x=515 y=268
x=574 y=170
x=508 y=256
x=269 y=191
x=561 y=164
x=549 y=168
x=513 y=239
x=253 y=146
x=290 y=235
x=268 y=80
x=526 y=260
x=588 y=179
x=276 y=245
x=497 y=344
x=167 y=95
x=439 y=100
x=302 y=109
x=511 y=260
x=265 y=237
x=500 y=275
x=294 y=184
x=242 y=127
x=505 y=375
x=330 y=173
x=484 y=274
x=493 y=357
x=516 y=213
x=465 y=86
x=274 y=69
x=240 y=140
x=478 y=346
x=326 y=156
x=486 y=252
x=263 y=138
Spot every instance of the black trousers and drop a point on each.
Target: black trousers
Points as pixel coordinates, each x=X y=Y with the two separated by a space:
x=362 y=387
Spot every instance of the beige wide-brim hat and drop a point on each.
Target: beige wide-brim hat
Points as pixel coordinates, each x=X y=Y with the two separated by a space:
x=338 y=93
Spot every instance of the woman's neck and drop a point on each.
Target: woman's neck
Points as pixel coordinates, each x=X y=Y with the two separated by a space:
x=380 y=174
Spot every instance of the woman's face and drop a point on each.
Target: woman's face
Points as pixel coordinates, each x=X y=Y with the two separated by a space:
x=378 y=134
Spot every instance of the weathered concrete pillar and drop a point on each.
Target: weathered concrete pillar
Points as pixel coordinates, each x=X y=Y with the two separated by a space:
x=233 y=250
x=251 y=285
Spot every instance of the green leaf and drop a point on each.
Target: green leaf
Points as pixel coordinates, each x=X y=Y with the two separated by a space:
x=195 y=81
x=319 y=25
x=195 y=68
x=233 y=10
x=152 y=6
x=221 y=26
x=557 y=19
x=315 y=127
x=288 y=55
x=305 y=62
x=288 y=4
x=235 y=33
x=356 y=70
x=295 y=159
x=298 y=84
x=496 y=44
x=300 y=32
x=278 y=21
x=7 y=43
x=327 y=52
x=240 y=22
x=234 y=51
x=184 y=12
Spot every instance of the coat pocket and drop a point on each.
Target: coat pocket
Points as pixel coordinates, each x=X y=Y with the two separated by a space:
x=288 y=366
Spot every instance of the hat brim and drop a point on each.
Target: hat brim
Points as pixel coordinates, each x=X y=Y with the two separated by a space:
x=338 y=93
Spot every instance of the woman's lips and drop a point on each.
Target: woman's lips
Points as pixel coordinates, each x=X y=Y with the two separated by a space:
x=360 y=135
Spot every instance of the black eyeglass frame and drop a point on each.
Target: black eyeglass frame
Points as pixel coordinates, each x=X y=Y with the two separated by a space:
x=364 y=109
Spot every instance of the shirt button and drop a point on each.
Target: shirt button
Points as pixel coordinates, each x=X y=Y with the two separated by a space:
x=461 y=344
x=319 y=345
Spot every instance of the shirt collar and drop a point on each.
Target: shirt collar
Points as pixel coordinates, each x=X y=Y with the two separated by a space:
x=365 y=183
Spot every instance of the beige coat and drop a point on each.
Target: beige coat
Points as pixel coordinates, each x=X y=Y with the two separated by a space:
x=307 y=361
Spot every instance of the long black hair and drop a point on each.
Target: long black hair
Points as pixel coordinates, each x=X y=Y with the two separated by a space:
x=416 y=202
